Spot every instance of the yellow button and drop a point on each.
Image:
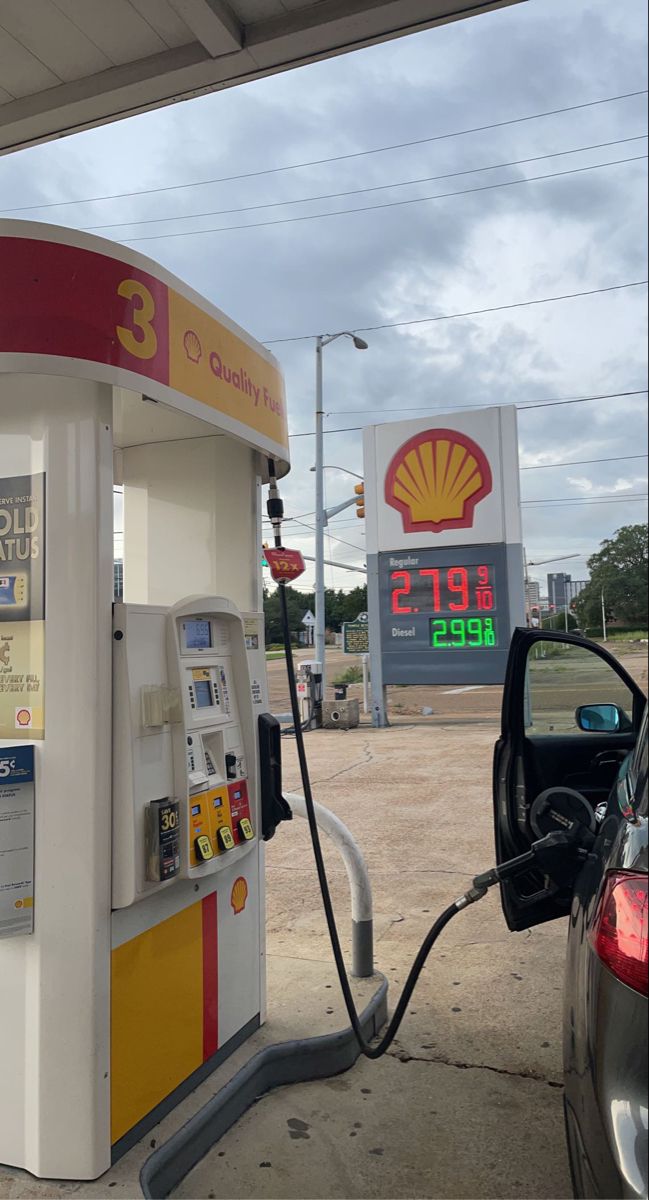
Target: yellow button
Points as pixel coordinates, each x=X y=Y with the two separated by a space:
x=225 y=838
x=203 y=848
x=246 y=830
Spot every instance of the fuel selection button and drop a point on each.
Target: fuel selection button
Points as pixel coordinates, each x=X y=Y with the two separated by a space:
x=225 y=837
x=246 y=830
x=203 y=848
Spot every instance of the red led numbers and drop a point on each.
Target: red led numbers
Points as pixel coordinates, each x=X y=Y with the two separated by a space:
x=400 y=591
x=433 y=573
x=484 y=591
x=458 y=584
x=442 y=590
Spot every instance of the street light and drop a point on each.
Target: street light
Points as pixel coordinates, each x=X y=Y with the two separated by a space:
x=320 y=518
x=333 y=467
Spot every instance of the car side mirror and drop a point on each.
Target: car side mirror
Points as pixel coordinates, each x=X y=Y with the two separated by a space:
x=600 y=718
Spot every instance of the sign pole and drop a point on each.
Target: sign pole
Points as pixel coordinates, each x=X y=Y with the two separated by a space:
x=366 y=690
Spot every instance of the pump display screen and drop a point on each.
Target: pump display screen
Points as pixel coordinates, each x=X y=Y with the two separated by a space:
x=444 y=614
x=203 y=693
x=198 y=635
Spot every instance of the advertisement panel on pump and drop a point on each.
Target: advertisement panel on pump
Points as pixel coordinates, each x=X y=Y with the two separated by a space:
x=444 y=540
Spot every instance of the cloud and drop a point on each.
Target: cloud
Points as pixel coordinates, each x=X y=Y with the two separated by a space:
x=421 y=260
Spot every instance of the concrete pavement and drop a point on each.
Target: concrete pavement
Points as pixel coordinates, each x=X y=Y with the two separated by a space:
x=468 y=1102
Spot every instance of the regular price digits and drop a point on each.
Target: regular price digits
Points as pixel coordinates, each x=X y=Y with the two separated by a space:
x=443 y=590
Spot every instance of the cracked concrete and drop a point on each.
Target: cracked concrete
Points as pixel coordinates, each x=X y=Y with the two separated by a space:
x=478 y=1057
x=403 y=1056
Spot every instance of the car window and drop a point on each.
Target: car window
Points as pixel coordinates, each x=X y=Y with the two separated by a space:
x=562 y=677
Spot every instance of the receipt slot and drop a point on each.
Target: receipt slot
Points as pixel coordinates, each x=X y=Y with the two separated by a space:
x=132 y=959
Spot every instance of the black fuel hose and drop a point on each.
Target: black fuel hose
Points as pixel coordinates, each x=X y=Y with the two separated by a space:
x=370 y=1051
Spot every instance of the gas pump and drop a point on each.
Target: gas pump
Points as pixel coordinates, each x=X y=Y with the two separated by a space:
x=309 y=690
x=132 y=958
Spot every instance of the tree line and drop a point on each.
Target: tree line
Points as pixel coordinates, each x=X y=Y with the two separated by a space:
x=618 y=573
x=339 y=607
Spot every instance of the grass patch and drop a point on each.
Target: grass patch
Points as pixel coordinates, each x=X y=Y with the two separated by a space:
x=351 y=675
x=272 y=655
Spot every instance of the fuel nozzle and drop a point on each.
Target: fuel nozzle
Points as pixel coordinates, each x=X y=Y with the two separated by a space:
x=274 y=504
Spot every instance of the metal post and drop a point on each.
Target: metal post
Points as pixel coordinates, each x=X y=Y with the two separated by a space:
x=319 y=517
x=366 y=697
x=604 y=632
x=359 y=883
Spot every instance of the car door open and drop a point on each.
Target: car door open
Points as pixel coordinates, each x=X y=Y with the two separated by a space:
x=570 y=716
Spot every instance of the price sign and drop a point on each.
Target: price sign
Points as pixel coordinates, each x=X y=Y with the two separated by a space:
x=444 y=614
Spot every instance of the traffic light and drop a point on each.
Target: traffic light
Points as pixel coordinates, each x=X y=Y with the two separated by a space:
x=360 y=499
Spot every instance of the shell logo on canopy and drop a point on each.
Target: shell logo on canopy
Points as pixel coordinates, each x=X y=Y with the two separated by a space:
x=436 y=479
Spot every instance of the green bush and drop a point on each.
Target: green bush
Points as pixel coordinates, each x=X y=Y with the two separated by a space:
x=351 y=675
x=617 y=633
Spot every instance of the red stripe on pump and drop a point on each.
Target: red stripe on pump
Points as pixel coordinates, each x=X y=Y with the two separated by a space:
x=210 y=978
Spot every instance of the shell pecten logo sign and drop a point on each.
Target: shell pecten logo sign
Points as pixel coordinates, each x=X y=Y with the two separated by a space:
x=436 y=479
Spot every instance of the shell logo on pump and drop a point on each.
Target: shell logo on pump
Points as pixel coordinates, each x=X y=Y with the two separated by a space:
x=239 y=895
x=436 y=479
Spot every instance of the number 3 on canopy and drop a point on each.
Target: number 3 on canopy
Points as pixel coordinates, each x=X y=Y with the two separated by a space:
x=141 y=340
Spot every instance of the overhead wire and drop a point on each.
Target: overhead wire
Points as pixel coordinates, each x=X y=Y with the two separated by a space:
x=519 y=407
x=587 y=499
x=365 y=208
x=553 y=112
x=339 y=412
x=583 y=462
x=383 y=187
x=476 y=312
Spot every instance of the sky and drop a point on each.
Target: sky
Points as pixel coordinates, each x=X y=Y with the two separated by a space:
x=495 y=247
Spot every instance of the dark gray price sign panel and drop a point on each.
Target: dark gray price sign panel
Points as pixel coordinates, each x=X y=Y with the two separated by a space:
x=356 y=637
x=444 y=615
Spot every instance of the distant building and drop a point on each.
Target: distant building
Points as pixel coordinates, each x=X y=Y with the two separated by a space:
x=575 y=587
x=558 y=589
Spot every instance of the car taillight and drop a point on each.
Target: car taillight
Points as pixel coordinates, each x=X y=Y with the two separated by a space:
x=619 y=933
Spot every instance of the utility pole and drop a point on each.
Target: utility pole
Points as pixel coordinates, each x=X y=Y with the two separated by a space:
x=319 y=515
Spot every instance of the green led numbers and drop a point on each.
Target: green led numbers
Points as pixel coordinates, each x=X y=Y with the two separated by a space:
x=462 y=633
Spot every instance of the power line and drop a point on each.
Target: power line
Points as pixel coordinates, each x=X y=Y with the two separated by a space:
x=312 y=529
x=339 y=412
x=636 y=498
x=343 y=212
x=477 y=312
x=583 y=462
x=318 y=162
x=585 y=499
x=223 y=212
x=519 y=407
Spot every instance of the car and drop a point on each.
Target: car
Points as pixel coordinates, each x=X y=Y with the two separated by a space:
x=572 y=759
